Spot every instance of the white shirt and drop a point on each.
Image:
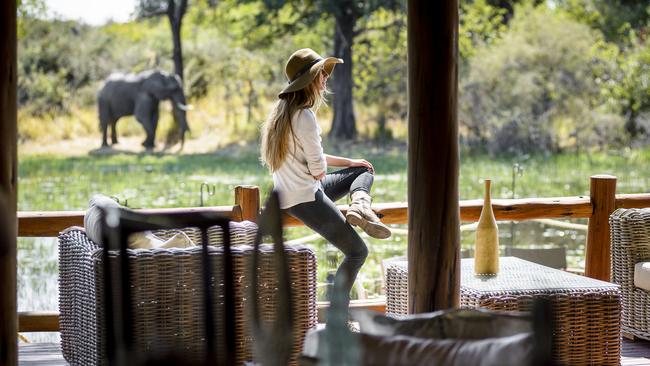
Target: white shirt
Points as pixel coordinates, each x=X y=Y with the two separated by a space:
x=294 y=180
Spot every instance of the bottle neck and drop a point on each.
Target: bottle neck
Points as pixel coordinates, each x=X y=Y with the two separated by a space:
x=487 y=197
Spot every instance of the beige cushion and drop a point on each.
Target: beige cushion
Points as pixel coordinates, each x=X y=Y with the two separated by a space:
x=642 y=275
x=144 y=240
x=147 y=240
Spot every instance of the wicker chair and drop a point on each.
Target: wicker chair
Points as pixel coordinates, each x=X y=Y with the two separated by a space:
x=630 y=244
x=167 y=302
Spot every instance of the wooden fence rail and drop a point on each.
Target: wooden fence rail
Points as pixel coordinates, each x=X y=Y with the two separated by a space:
x=597 y=207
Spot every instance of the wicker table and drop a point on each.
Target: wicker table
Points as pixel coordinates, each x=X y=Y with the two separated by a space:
x=587 y=312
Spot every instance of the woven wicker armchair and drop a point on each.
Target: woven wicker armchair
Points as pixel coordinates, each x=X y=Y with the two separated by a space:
x=630 y=244
x=630 y=241
x=167 y=301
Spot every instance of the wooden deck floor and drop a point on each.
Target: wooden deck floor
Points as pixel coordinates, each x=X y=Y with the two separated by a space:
x=49 y=354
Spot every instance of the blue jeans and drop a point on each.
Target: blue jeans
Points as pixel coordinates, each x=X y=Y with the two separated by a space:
x=323 y=217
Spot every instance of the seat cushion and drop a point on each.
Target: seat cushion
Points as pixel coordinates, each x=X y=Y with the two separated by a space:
x=642 y=275
x=395 y=350
x=460 y=323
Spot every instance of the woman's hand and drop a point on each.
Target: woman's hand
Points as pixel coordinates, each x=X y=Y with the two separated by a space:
x=319 y=176
x=362 y=162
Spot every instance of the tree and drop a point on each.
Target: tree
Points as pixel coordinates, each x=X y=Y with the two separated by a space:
x=175 y=10
x=349 y=22
x=627 y=23
x=381 y=73
x=615 y=18
x=479 y=24
x=510 y=5
x=539 y=88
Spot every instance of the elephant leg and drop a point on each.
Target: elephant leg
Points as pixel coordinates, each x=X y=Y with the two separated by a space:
x=103 y=124
x=149 y=129
x=114 y=132
x=146 y=112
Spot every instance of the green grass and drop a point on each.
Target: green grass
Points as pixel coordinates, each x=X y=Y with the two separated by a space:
x=146 y=181
x=66 y=183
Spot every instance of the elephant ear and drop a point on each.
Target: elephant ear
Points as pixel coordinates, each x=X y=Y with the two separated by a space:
x=173 y=83
x=155 y=84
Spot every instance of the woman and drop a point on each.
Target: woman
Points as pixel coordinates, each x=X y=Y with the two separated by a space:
x=291 y=148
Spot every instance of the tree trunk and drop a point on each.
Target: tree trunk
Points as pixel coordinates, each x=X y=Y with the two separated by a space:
x=178 y=51
x=434 y=219
x=343 y=124
x=631 y=126
x=8 y=185
x=175 y=15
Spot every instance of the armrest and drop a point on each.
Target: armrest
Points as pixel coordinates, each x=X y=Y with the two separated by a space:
x=630 y=243
x=77 y=296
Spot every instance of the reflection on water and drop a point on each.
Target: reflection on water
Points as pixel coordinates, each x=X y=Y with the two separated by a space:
x=38 y=261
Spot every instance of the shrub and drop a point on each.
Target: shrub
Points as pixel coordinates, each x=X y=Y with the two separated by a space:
x=538 y=80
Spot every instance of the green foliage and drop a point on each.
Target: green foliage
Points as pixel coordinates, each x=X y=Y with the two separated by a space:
x=479 y=24
x=631 y=90
x=536 y=89
x=615 y=18
x=548 y=78
x=380 y=60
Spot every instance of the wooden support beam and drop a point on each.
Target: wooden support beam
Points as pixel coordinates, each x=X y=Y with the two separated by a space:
x=374 y=305
x=639 y=200
x=433 y=162
x=598 y=252
x=48 y=321
x=248 y=198
x=50 y=223
x=47 y=224
x=529 y=208
x=38 y=321
x=8 y=184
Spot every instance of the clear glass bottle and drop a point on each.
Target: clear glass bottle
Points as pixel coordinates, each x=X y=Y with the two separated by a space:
x=486 y=252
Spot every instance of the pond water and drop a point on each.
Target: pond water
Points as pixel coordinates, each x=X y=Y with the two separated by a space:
x=38 y=261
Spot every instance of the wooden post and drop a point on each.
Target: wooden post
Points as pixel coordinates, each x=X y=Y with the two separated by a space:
x=8 y=183
x=433 y=214
x=598 y=252
x=248 y=199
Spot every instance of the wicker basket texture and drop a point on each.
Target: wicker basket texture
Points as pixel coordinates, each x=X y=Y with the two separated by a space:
x=167 y=294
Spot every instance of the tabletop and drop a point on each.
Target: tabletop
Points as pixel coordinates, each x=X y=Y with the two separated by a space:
x=516 y=274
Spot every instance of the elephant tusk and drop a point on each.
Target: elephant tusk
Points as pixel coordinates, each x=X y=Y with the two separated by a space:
x=185 y=107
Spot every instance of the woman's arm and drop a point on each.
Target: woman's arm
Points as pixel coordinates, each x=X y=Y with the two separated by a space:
x=308 y=134
x=339 y=161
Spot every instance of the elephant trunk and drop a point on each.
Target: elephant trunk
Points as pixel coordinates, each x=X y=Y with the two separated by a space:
x=180 y=108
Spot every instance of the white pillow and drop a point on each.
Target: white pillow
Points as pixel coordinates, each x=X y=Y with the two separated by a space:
x=642 y=275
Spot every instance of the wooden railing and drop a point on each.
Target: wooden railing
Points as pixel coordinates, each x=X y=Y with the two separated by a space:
x=597 y=208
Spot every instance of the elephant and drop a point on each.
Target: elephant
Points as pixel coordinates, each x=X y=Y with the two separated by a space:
x=139 y=94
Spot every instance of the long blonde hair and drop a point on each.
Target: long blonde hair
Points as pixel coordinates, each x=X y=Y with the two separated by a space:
x=277 y=128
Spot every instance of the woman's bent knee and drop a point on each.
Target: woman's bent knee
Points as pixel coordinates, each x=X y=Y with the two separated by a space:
x=359 y=253
x=361 y=169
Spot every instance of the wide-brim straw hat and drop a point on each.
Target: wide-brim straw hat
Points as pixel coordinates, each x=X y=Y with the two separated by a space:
x=303 y=66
